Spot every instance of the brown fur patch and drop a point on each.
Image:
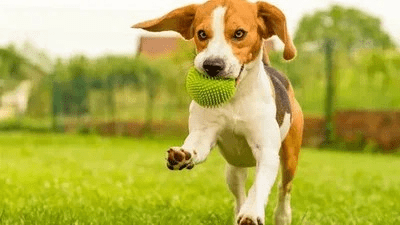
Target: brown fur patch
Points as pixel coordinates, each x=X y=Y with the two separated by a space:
x=260 y=20
x=274 y=23
x=239 y=14
x=179 y=20
x=290 y=150
x=243 y=15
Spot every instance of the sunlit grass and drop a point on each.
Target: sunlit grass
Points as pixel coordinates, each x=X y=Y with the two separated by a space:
x=67 y=179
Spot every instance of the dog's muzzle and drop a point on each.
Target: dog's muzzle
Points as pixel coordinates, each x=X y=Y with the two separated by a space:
x=214 y=67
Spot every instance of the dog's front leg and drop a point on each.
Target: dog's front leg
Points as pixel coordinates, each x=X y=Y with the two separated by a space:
x=195 y=149
x=265 y=144
x=203 y=130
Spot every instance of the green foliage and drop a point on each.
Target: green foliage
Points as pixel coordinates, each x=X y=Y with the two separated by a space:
x=11 y=64
x=152 y=80
x=39 y=104
x=15 y=66
x=117 y=69
x=73 y=82
x=307 y=75
x=79 y=85
x=367 y=79
x=365 y=84
x=70 y=85
x=69 y=179
x=25 y=124
x=350 y=27
x=127 y=88
x=74 y=78
x=119 y=87
x=174 y=68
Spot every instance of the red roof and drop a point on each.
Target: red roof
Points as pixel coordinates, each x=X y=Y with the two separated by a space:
x=161 y=46
x=157 y=46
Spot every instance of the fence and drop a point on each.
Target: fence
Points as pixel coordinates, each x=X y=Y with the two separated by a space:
x=353 y=128
x=381 y=127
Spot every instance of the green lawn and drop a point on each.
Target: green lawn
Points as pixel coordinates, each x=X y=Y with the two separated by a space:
x=67 y=179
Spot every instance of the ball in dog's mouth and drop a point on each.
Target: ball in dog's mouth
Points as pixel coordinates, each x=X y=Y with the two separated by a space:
x=209 y=91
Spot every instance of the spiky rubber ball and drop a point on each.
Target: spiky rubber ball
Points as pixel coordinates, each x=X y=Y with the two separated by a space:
x=209 y=91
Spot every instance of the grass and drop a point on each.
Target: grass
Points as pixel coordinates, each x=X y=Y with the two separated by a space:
x=67 y=179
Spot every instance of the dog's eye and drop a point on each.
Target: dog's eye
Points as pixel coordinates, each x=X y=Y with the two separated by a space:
x=239 y=34
x=202 y=35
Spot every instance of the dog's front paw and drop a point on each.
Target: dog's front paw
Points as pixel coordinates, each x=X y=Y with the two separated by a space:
x=249 y=220
x=178 y=159
x=244 y=220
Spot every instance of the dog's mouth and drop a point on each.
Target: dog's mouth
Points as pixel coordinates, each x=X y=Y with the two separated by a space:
x=237 y=80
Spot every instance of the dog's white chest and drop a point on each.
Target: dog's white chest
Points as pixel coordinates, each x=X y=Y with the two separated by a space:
x=235 y=149
x=242 y=120
x=249 y=115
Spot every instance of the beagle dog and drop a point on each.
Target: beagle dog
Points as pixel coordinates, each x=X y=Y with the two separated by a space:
x=262 y=125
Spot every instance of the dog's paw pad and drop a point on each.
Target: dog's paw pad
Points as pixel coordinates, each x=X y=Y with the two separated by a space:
x=179 y=159
x=243 y=220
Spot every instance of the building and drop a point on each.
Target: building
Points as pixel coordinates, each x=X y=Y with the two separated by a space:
x=158 y=46
x=161 y=46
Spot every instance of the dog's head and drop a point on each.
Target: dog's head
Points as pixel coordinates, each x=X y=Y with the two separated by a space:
x=228 y=33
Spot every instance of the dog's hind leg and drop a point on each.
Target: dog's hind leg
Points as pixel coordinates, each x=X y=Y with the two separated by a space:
x=236 y=179
x=289 y=158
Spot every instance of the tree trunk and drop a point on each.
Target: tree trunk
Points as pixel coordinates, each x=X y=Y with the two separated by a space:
x=330 y=93
x=147 y=129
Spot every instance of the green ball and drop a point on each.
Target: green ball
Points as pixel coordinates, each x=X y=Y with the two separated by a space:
x=209 y=91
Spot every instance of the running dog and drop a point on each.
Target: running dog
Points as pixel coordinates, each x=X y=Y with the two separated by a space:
x=262 y=125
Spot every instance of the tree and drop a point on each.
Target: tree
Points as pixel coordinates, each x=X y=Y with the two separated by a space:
x=15 y=66
x=79 y=86
x=150 y=77
x=112 y=72
x=339 y=28
x=349 y=27
x=178 y=64
x=11 y=63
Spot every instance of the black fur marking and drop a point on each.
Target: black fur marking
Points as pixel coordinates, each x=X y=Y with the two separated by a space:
x=182 y=167
x=281 y=77
x=281 y=85
x=172 y=162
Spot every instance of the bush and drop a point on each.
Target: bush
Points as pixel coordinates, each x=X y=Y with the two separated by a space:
x=25 y=124
x=367 y=79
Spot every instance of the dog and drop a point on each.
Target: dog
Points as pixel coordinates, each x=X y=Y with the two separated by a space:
x=262 y=125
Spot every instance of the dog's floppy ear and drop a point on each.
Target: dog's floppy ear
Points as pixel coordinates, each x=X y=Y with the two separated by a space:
x=179 y=20
x=273 y=22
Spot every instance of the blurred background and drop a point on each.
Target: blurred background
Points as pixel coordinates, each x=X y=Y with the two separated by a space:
x=78 y=67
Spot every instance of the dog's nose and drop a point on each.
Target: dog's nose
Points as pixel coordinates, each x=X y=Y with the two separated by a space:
x=213 y=66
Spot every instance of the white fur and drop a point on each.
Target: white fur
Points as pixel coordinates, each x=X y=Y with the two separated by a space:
x=248 y=135
x=285 y=125
x=283 y=211
x=245 y=128
x=236 y=180
x=218 y=47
